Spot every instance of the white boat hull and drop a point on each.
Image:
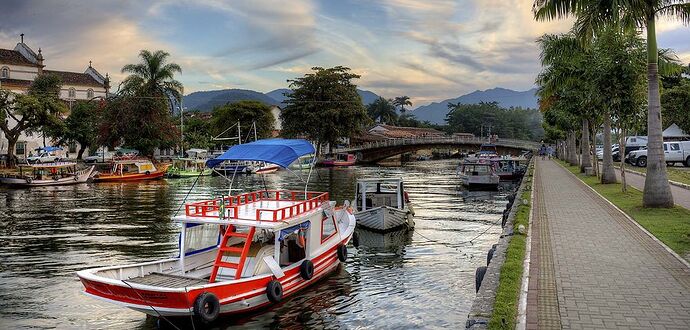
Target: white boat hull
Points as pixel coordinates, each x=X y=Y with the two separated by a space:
x=385 y=218
x=79 y=177
x=480 y=180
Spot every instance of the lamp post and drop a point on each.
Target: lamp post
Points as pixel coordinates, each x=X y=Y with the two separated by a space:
x=181 y=130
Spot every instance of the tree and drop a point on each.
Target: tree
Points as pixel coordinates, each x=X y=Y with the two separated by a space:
x=594 y=15
x=675 y=103
x=247 y=113
x=324 y=106
x=39 y=110
x=383 y=111
x=197 y=131
x=139 y=116
x=402 y=101
x=488 y=117
x=81 y=126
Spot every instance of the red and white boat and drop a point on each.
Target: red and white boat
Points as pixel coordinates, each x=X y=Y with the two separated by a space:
x=341 y=159
x=236 y=253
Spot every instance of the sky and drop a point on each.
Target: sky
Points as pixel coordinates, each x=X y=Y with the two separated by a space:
x=429 y=50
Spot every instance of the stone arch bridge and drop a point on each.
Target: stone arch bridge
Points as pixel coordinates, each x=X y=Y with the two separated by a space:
x=373 y=152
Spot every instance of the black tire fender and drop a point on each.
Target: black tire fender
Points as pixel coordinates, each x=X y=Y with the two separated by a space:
x=306 y=269
x=274 y=291
x=28 y=179
x=342 y=252
x=687 y=162
x=490 y=255
x=207 y=307
x=643 y=163
x=147 y=172
x=479 y=277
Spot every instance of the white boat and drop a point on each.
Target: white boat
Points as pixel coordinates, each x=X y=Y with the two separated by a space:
x=382 y=204
x=478 y=174
x=49 y=174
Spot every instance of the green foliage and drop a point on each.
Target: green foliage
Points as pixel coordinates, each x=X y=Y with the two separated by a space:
x=81 y=126
x=324 y=106
x=46 y=90
x=402 y=101
x=197 y=131
x=514 y=123
x=675 y=103
x=382 y=110
x=153 y=76
x=139 y=122
x=247 y=113
x=409 y=120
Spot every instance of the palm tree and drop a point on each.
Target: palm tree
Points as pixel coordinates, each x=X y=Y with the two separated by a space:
x=153 y=76
x=593 y=15
x=402 y=101
x=382 y=110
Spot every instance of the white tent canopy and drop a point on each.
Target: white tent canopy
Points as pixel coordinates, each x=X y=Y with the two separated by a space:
x=674 y=132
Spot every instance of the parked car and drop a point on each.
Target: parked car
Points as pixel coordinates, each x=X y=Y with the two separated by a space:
x=44 y=157
x=99 y=156
x=615 y=153
x=674 y=152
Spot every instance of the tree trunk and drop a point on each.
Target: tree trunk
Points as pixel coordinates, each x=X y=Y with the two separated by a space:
x=11 y=145
x=657 y=191
x=82 y=147
x=572 y=149
x=593 y=147
x=586 y=160
x=608 y=173
x=621 y=148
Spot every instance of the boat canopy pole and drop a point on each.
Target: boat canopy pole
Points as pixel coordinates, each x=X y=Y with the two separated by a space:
x=311 y=167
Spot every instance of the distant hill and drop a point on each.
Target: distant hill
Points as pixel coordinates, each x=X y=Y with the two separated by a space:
x=205 y=101
x=367 y=96
x=436 y=112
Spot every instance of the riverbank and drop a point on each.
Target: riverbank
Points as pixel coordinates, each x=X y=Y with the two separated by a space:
x=670 y=226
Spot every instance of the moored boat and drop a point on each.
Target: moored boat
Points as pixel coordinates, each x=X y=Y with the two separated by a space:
x=132 y=170
x=478 y=174
x=236 y=253
x=191 y=166
x=382 y=204
x=341 y=159
x=509 y=168
x=48 y=174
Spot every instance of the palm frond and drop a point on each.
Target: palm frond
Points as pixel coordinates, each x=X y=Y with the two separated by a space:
x=680 y=11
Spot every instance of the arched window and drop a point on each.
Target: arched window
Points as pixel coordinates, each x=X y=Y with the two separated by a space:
x=5 y=72
x=89 y=93
x=72 y=93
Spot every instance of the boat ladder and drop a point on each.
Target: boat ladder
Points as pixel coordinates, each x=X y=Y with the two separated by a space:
x=223 y=248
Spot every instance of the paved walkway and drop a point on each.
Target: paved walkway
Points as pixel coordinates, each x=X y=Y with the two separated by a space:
x=592 y=268
x=681 y=196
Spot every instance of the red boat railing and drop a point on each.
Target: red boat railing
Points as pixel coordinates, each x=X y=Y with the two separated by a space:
x=305 y=203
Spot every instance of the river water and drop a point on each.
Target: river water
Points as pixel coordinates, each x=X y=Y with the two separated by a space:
x=420 y=279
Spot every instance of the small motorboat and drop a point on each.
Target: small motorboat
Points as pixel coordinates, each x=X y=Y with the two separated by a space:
x=487 y=151
x=236 y=253
x=191 y=166
x=382 y=204
x=48 y=174
x=341 y=159
x=478 y=174
x=263 y=168
x=132 y=170
x=304 y=162
x=230 y=168
x=509 y=168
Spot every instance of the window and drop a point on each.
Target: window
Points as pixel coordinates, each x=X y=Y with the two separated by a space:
x=20 y=149
x=89 y=93
x=327 y=228
x=5 y=72
x=675 y=146
x=665 y=147
x=72 y=93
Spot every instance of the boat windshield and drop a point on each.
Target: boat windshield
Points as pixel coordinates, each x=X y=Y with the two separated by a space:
x=477 y=169
x=200 y=237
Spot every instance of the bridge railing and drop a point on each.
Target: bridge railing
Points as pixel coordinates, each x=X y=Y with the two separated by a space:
x=440 y=140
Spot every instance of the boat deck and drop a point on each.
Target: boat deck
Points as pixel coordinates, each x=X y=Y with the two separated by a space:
x=167 y=280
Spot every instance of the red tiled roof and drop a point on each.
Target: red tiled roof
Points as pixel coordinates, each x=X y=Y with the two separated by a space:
x=9 y=56
x=403 y=132
x=75 y=78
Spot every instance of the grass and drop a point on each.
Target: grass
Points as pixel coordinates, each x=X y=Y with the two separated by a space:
x=674 y=174
x=671 y=226
x=508 y=293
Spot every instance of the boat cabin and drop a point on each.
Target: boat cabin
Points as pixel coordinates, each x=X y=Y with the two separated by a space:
x=48 y=171
x=135 y=166
x=476 y=169
x=343 y=157
x=379 y=192
x=197 y=153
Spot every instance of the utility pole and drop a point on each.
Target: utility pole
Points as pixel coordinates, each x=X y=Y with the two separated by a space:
x=181 y=129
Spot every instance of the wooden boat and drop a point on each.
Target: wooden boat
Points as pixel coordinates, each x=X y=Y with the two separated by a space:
x=188 y=167
x=132 y=170
x=303 y=163
x=382 y=204
x=341 y=159
x=478 y=174
x=48 y=174
x=509 y=168
x=236 y=253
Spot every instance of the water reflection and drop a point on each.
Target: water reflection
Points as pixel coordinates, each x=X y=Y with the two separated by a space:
x=47 y=234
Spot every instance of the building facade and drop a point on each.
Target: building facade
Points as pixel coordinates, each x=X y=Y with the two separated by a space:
x=20 y=66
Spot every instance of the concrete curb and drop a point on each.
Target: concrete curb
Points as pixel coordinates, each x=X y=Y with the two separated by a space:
x=668 y=249
x=524 y=286
x=483 y=304
x=675 y=183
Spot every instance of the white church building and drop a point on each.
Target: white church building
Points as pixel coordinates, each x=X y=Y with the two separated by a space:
x=18 y=69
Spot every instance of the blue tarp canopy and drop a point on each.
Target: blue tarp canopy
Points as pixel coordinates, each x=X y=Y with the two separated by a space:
x=49 y=149
x=281 y=152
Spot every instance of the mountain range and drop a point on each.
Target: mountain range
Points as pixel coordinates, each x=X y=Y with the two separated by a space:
x=435 y=112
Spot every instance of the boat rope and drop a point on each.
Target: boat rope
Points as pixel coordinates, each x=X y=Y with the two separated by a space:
x=147 y=303
x=187 y=195
x=455 y=245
